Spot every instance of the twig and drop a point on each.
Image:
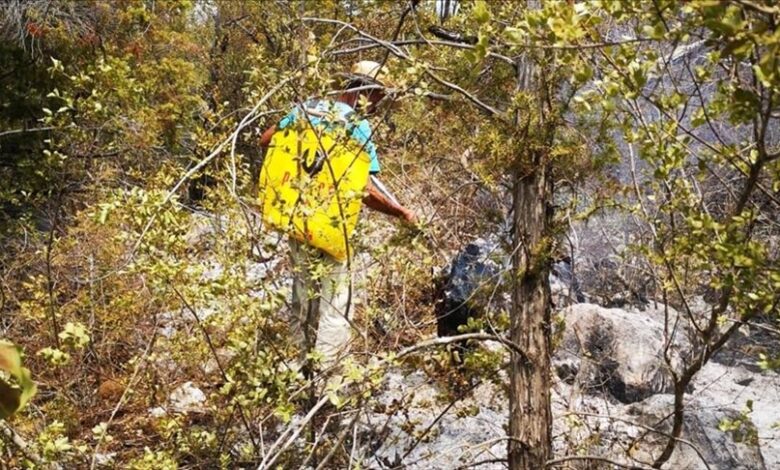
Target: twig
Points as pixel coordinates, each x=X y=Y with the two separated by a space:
x=454 y=339
x=313 y=445
x=438 y=418
x=412 y=4
x=761 y=8
x=421 y=42
x=216 y=359
x=23 y=446
x=352 y=456
x=50 y=280
x=125 y=394
x=476 y=101
x=24 y=131
x=398 y=52
x=339 y=441
x=270 y=458
x=248 y=119
x=479 y=463
x=650 y=429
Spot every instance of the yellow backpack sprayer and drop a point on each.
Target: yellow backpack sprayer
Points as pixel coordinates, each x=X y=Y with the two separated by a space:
x=311 y=186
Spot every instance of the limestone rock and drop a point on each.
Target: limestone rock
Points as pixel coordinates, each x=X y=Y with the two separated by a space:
x=738 y=450
x=617 y=351
x=476 y=282
x=186 y=398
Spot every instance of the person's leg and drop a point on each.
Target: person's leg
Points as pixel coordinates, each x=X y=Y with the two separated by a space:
x=321 y=304
x=305 y=299
x=334 y=332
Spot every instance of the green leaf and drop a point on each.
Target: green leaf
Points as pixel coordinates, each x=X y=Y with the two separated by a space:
x=514 y=35
x=480 y=12
x=335 y=399
x=744 y=107
x=656 y=31
x=740 y=48
x=480 y=49
x=16 y=385
x=583 y=73
x=767 y=68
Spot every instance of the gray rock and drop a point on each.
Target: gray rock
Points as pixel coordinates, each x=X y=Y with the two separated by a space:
x=608 y=355
x=718 y=385
x=734 y=450
x=564 y=285
x=474 y=428
x=187 y=398
x=105 y=459
x=618 y=352
x=477 y=283
x=410 y=405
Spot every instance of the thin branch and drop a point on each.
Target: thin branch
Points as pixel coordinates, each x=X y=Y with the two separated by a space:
x=479 y=463
x=759 y=7
x=339 y=441
x=125 y=393
x=578 y=47
x=23 y=446
x=474 y=100
x=213 y=349
x=421 y=42
x=438 y=418
x=650 y=429
x=270 y=458
x=433 y=342
x=189 y=174
x=25 y=131
x=398 y=52
x=412 y=4
x=50 y=280
x=395 y=50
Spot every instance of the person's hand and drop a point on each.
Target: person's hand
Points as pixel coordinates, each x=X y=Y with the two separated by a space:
x=409 y=217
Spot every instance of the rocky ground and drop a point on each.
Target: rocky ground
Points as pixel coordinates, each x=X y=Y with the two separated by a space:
x=596 y=413
x=611 y=398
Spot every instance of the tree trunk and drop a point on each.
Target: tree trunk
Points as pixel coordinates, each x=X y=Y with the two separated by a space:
x=530 y=414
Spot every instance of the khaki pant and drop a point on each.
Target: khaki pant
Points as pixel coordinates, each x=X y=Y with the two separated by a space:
x=320 y=305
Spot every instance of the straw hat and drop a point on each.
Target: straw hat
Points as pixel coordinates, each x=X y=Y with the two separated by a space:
x=372 y=73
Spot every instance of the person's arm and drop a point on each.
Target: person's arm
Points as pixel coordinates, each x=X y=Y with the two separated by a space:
x=265 y=138
x=378 y=201
x=377 y=196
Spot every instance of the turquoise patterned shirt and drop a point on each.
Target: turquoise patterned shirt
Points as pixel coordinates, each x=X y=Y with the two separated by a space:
x=359 y=128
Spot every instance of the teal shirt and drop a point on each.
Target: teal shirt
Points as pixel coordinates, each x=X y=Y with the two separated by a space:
x=359 y=128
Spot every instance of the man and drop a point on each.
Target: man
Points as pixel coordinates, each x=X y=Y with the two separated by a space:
x=322 y=285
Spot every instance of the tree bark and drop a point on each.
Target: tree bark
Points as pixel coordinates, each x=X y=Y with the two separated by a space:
x=530 y=413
